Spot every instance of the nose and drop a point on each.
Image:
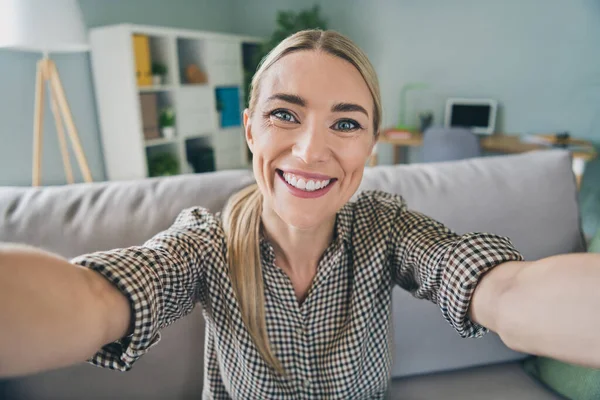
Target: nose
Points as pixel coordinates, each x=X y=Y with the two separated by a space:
x=311 y=146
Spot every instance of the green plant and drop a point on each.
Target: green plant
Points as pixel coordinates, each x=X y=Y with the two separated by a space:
x=159 y=69
x=288 y=23
x=163 y=164
x=167 y=117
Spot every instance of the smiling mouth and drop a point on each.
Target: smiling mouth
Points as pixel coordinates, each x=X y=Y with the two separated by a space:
x=305 y=184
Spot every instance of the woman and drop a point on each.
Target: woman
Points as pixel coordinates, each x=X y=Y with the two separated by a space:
x=295 y=280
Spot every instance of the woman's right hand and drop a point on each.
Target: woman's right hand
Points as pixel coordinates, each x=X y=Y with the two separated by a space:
x=53 y=313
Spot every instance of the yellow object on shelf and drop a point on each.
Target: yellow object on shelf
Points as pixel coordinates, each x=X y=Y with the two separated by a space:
x=143 y=69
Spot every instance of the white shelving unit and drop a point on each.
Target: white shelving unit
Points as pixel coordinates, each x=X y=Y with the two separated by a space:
x=197 y=121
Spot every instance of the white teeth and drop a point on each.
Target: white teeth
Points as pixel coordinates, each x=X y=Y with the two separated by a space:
x=306 y=185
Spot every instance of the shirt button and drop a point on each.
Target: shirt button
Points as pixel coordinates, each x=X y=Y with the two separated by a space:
x=299 y=331
x=306 y=383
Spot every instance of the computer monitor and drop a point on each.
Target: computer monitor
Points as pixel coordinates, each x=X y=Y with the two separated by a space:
x=479 y=115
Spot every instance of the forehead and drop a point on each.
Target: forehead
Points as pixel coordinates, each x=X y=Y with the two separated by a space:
x=320 y=78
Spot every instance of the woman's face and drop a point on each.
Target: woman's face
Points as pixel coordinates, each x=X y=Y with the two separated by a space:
x=310 y=134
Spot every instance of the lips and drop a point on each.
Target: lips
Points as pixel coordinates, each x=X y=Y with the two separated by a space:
x=306 y=185
x=306 y=175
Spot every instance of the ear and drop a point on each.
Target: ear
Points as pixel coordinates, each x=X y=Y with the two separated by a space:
x=248 y=130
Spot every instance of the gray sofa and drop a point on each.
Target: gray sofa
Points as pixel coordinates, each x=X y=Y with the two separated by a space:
x=531 y=198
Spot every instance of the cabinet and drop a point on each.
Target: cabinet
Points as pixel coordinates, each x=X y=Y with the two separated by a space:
x=208 y=133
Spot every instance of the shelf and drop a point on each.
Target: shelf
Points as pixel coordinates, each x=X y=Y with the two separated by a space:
x=152 y=104
x=160 y=88
x=230 y=130
x=200 y=142
x=150 y=51
x=160 y=52
x=206 y=135
x=191 y=53
x=224 y=62
x=200 y=154
x=193 y=85
x=195 y=110
x=164 y=159
x=230 y=101
x=159 y=141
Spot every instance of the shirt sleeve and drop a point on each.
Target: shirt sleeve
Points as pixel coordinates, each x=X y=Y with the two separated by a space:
x=434 y=263
x=163 y=279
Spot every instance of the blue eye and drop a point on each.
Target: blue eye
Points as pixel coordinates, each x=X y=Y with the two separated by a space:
x=283 y=115
x=346 y=125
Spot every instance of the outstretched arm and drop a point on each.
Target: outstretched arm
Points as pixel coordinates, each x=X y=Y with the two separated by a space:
x=549 y=307
x=52 y=312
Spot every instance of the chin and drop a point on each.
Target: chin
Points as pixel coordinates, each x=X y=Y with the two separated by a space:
x=302 y=211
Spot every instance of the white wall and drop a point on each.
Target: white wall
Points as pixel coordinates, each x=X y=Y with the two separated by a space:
x=540 y=59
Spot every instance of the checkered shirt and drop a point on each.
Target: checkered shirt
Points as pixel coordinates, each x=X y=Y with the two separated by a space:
x=335 y=344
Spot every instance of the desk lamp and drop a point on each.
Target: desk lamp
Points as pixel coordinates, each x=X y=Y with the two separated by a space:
x=47 y=27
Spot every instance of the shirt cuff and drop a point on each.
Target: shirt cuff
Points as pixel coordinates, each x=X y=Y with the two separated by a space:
x=472 y=256
x=139 y=285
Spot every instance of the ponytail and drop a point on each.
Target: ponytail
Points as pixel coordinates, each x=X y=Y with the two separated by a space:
x=241 y=217
x=241 y=222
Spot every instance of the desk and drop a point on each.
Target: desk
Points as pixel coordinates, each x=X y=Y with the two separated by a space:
x=500 y=143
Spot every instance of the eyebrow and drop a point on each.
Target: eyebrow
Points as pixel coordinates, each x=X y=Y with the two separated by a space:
x=349 y=107
x=290 y=98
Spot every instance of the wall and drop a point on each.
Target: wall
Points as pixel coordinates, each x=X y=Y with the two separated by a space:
x=539 y=59
x=17 y=83
x=543 y=65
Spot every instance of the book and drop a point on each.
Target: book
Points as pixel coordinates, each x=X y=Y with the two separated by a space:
x=141 y=51
x=399 y=134
x=149 y=108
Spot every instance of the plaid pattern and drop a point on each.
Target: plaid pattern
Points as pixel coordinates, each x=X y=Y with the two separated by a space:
x=337 y=343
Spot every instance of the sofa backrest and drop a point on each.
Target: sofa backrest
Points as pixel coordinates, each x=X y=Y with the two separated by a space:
x=531 y=198
x=81 y=218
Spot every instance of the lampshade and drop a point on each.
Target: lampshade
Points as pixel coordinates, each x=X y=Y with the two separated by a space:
x=49 y=26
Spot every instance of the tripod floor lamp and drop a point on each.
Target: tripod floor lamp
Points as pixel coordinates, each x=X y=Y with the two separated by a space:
x=48 y=27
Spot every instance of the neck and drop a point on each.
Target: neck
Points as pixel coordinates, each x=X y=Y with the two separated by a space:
x=297 y=250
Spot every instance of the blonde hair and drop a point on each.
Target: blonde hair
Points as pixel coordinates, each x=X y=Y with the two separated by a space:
x=242 y=214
